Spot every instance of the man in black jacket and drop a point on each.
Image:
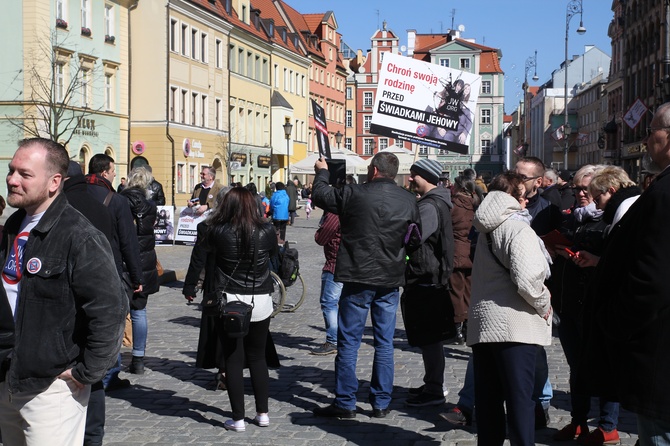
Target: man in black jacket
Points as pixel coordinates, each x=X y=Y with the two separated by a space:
x=427 y=308
x=125 y=246
x=68 y=328
x=155 y=190
x=375 y=218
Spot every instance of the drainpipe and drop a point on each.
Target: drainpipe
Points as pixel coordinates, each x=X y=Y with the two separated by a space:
x=130 y=83
x=167 y=110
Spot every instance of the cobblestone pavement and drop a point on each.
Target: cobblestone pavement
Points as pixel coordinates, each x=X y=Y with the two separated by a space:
x=174 y=403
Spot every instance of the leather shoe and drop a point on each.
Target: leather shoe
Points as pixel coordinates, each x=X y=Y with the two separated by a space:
x=334 y=411
x=380 y=413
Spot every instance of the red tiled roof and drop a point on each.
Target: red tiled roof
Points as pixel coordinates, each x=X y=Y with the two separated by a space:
x=313 y=21
x=507 y=118
x=300 y=24
x=269 y=11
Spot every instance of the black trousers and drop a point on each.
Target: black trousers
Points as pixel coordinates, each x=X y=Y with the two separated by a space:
x=95 y=416
x=504 y=377
x=280 y=227
x=252 y=348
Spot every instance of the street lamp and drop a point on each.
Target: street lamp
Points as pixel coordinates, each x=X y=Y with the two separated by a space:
x=574 y=8
x=531 y=62
x=338 y=138
x=288 y=128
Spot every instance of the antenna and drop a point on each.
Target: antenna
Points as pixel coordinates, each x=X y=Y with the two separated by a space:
x=453 y=16
x=377 y=18
x=441 y=27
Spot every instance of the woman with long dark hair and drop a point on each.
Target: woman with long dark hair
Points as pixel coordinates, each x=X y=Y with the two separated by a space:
x=237 y=237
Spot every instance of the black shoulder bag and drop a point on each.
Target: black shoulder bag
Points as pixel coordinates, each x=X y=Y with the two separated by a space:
x=236 y=314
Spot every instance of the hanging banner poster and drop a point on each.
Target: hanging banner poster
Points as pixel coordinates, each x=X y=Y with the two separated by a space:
x=164 y=226
x=187 y=226
x=425 y=103
x=321 y=130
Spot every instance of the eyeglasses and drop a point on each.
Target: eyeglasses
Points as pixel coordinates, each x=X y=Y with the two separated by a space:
x=651 y=130
x=524 y=178
x=579 y=189
x=596 y=198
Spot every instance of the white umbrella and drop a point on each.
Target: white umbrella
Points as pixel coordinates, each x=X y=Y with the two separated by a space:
x=306 y=166
x=406 y=158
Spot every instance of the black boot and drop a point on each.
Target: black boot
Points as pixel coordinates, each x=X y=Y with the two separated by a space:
x=137 y=365
x=459 y=339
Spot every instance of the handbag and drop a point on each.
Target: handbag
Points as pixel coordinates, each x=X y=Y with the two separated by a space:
x=236 y=315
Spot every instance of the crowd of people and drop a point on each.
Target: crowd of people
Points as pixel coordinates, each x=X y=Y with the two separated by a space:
x=498 y=266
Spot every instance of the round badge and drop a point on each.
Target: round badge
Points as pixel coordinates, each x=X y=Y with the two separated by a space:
x=34 y=265
x=210 y=196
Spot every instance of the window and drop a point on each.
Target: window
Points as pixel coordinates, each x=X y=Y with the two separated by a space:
x=218 y=46
x=109 y=21
x=194 y=43
x=367 y=119
x=485 y=116
x=302 y=85
x=465 y=64
x=182 y=106
x=61 y=10
x=257 y=68
x=203 y=111
x=109 y=92
x=444 y=62
x=203 y=48
x=217 y=116
x=275 y=75
x=181 y=178
x=193 y=176
x=250 y=64
x=266 y=73
x=347 y=143
x=423 y=150
x=60 y=82
x=349 y=93
x=240 y=61
x=174 y=100
x=173 y=34
x=486 y=87
x=349 y=118
x=367 y=99
x=85 y=88
x=290 y=82
x=286 y=79
x=86 y=13
x=383 y=143
x=184 y=39
x=231 y=57
x=194 y=108
x=486 y=146
x=367 y=146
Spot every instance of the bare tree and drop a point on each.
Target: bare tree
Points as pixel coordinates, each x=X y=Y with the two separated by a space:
x=60 y=90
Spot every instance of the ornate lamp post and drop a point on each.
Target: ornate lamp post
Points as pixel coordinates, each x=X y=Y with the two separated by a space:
x=531 y=62
x=574 y=8
x=338 y=138
x=288 y=128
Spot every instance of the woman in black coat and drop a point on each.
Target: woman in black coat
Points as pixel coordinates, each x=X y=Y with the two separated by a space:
x=144 y=215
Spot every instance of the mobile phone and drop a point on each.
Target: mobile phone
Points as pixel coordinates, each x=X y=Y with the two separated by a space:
x=195 y=200
x=570 y=252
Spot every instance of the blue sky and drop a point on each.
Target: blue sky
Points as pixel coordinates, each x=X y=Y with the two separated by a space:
x=517 y=27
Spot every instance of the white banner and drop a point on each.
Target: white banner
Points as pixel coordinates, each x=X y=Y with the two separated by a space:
x=187 y=227
x=634 y=114
x=425 y=103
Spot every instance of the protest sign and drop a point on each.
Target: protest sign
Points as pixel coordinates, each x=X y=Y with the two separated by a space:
x=164 y=226
x=425 y=103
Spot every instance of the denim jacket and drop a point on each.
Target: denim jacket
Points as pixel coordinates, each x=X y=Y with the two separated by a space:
x=71 y=310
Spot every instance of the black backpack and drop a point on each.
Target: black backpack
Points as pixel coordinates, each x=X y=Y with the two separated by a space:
x=289 y=268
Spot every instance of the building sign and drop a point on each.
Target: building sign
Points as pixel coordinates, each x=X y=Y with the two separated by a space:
x=263 y=161
x=186 y=147
x=425 y=103
x=239 y=157
x=86 y=127
x=138 y=147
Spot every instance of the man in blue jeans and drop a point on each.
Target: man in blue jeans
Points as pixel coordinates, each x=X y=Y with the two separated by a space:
x=374 y=218
x=328 y=235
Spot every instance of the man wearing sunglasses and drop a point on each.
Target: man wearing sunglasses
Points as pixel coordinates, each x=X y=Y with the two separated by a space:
x=632 y=298
x=545 y=218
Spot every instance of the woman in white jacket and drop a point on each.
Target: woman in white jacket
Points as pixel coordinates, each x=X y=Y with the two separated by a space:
x=510 y=313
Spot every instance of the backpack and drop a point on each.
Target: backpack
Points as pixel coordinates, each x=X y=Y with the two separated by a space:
x=289 y=268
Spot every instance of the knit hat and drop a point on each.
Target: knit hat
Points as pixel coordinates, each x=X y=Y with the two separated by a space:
x=565 y=175
x=74 y=169
x=429 y=170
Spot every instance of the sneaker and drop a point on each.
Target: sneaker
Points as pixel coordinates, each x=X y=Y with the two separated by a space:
x=425 y=399
x=598 y=437
x=326 y=349
x=414 y=391
x=262 y=420
x=571 y=432
x=236 y=426
x=334 y=411
x=457 y=417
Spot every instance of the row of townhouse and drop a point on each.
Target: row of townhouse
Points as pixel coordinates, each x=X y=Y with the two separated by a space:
x=179 y=84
